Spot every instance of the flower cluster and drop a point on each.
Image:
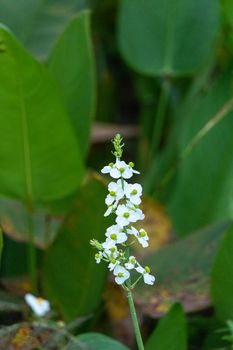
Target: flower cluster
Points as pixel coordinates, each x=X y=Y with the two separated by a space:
x=123 y=200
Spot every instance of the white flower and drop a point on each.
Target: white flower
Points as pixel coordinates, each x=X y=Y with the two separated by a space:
x=38 y=305
x=116 y=192
x=98 y=257
x=113 y=264
x=131 y=263
x=143 y=238
x=110 y=248
x=119 y=169
x=133 y=192
x=125 y=215
x=148 y=279
x=121 y=274
x=115 y=234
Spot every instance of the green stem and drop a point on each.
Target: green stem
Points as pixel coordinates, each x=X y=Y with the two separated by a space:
x=32 y=253
x=135 y=320
x=160 y=117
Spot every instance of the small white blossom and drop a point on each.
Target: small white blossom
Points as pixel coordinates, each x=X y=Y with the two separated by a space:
x=121 y=274
x=116 y=192
x=115 y=234
x=143 y=238
x=133 y=192
x=38 y=305
x=98 y=257
x=148 y=279
x=131 y=263
x=110 y=248
x=113 y=264
x=119 y=169
x=125 y=215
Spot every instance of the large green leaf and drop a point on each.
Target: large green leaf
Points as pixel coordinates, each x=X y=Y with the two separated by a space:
x=71 y=277
x=222 y=278
x=204 y=187
x=72 y=64
x=163 y=37
x=39 y=154
x=97 y=341
x=182 y=270
x=171 y=332
x=38 y=23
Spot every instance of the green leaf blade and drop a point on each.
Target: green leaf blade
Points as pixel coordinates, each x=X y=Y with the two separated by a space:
x=40 y=159
x=72 y=64
x=171 y=332
x=204 y=187
x=153 y=36
x=97 y=341
x=77 y=283
x=37 y=24
x=222 y=278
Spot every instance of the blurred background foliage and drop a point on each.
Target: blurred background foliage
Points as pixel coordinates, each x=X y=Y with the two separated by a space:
x=73 y=73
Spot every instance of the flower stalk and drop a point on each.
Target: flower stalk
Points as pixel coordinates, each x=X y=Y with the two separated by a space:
x=123 y=200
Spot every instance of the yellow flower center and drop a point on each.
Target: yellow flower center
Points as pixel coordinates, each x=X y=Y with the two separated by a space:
x=134 y=192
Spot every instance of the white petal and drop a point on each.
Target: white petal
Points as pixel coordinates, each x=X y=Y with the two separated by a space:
x=129 y=266
x=119 y=280
x=127 y=174
x=108 y=211
x=115 y=173
x=135 y=199
x=149 y=279
x=140 y=269
x=143 y=242
x=106 y=169
x=109 y=199
x=121 y=237
x=121 y=221
x=133 y=231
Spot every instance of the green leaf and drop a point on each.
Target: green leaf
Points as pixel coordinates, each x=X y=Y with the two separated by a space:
x=171 y=332
x=14 y=221
x=97 y=341
x=37 y=24
x=204 y=187
x=72 y=64
x=71 y=277
x=163 y=37
x=222 y=278
x=39 y=154
x=182 y=270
